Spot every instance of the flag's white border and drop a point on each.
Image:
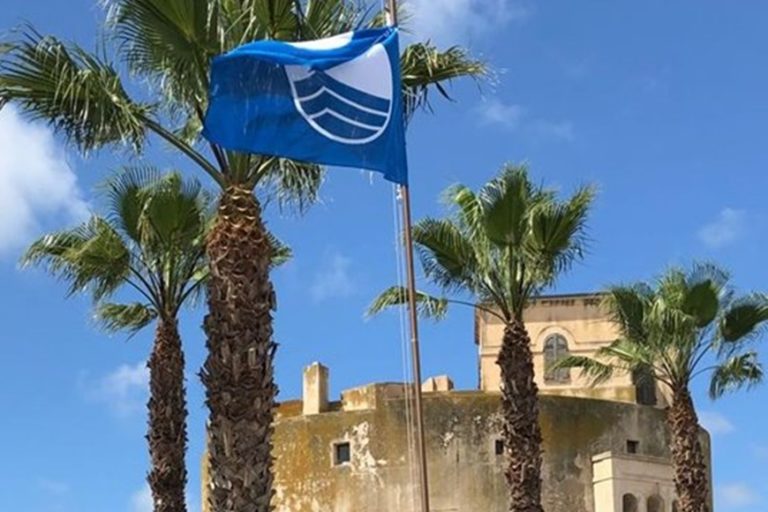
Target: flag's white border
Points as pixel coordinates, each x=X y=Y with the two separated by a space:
x=311 y=118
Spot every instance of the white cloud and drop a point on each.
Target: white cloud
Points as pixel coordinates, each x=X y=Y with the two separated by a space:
x=141 y=500
x=36 y=184
x=333 y=280
x=50 y=486
x=449 y=22
x=760 y=451
x=493 y=111
x=715 y=423
x=736 y=495
x=124 y=390
x=554 y=130
x=729 y=226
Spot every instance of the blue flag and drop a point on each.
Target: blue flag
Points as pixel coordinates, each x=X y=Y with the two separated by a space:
x=334 y=101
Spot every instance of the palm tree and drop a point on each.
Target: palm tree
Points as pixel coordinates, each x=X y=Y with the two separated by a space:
x=501 y=247
x=152 y=244
x=689 y=324
x=169 y=45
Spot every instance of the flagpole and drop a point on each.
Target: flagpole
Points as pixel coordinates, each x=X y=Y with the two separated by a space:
x=415 y=352
x=414 y=321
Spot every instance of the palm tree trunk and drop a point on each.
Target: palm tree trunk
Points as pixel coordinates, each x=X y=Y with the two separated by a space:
x=167 y=435
x=691 y=480
x=238 y=372
x=520 y=407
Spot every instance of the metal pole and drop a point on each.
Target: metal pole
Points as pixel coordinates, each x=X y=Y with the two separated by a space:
x=414 y=321
x=415 y=353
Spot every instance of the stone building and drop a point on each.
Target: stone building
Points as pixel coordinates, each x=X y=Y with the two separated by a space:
x=606 y=448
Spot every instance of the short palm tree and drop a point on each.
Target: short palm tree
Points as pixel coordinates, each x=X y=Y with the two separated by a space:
x=151 y=243
x=688 y=324
x=501 y=247
x=169 y=45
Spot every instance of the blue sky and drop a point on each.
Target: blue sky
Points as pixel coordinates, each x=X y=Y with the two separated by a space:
x=661 y=105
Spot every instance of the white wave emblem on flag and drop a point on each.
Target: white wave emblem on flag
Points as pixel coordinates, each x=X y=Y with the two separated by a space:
x=350 y=103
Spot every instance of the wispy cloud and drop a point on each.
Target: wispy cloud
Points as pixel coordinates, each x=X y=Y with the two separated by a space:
x=554 y=129
x=36 y=184
x=760 y=451
x=51 y=486
x=333 y=279
x=494 y=111
x=511 y=116
x=123 y=390
x=729 y=226
x=736 y=495
x=141 y=501
x=715 y=423
x=462 y=21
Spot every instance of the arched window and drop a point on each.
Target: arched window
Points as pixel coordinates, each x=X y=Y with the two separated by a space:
x=645 y=386
x=555 y=349
x=629 y=503
x=654 y=504
x=675 y=506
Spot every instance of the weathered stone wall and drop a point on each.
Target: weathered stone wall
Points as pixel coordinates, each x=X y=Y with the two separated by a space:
x=466 y=475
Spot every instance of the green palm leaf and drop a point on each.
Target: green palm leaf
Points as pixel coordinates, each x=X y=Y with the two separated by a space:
x=152 y=242
x=79 y=94
x=428 y=306
x=124 y=317
x=735 y=373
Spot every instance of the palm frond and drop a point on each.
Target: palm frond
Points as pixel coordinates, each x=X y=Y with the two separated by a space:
x=425 y=67
x=325 y=18
x=470 y=209
x=596 y=371
x=507 y=200
x=171 y=42
x=627 y=353
x=428 y=305
x=126 y=192
x=90 y=257
x=244 y=21
x=291 y=184
x=735 y=373
x=447 y=256
x=557 y=234
x=78 y=94
x=281 y=253
x=124 y=317
x=626 y=306
x=744 y=319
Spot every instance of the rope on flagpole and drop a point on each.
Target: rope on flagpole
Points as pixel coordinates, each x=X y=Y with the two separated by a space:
x=414 y=324
x=409 y=430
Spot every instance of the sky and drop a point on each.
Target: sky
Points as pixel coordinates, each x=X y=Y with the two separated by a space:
x=661 y=105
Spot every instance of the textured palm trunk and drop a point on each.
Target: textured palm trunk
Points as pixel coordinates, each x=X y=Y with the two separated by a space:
x=238 y=372
x=691 y=479
x=167 y=433
x=520 y=407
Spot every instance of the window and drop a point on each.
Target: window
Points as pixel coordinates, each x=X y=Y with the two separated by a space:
x=632 y=446
x=555 y=349
x=645 y=386
x=654 y=504
x=675 y=506
x=342 y=453
x=499 y=447
x=629 y=503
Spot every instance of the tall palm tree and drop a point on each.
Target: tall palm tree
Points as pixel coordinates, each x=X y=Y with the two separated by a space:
x=151 y=243
x=689 y=324
x=498 y=249
x=169 y=45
